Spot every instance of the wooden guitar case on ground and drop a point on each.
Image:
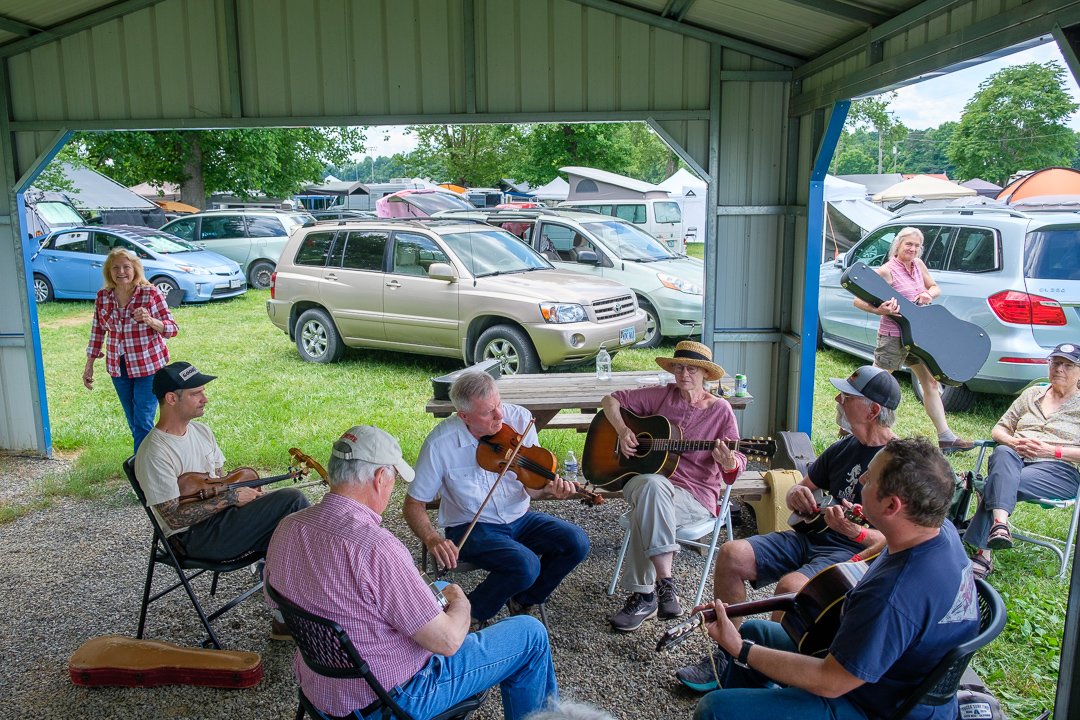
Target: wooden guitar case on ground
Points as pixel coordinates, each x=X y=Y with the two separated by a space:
x=953 y=349
x=116 y=660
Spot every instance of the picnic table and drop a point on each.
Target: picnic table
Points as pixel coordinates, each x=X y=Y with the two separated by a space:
x=547 y=395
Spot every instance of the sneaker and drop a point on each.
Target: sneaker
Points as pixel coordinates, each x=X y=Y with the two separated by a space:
x=639 y=607
x=703 y=676
x=513 y=607
x=279 y=630
x=948 y=447
x=668 y=600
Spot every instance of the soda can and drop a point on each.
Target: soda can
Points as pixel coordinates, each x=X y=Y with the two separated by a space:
x=740 y=385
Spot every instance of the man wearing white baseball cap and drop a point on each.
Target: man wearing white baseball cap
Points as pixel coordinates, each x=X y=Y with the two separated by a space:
x=336 y=560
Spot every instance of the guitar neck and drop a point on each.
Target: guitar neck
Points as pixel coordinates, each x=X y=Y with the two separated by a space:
x=678 y=446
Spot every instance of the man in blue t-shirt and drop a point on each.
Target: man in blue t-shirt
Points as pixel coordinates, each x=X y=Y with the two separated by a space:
x=866 y=402
x=916 y=603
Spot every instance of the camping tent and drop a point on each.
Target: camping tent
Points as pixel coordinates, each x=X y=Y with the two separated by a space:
x=925 y=187
x=555 y=191
x=983 y=188
x=848 y=216
x=689 y=191
x=1046 y=189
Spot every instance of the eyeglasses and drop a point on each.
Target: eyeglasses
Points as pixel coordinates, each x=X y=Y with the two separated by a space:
x=844 y=397
x=677 y=368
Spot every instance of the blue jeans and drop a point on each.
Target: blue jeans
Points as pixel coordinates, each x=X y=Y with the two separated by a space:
x=746 y=693
x=1009 y=479
x=137 y=398
x=525 y=559
x=513 y=653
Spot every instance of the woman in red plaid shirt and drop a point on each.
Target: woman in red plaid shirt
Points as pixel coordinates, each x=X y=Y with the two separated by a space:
x=136 y=319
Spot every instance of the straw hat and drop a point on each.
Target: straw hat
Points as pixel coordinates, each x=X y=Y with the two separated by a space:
x=693 y=353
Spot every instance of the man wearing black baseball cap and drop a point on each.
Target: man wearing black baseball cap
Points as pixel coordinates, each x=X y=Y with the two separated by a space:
x=867 y=402
x=221 y=527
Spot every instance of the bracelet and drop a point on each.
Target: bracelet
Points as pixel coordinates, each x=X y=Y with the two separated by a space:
x=1057 y=452
x=856 y=558
x=860 y=537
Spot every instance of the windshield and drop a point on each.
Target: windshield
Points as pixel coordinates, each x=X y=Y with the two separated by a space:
x=492 y=251
x=1053 y=254
x=629 y=242
x=166 y=244
x=667 y=212
x=294 y=221
x=432 y=203
x=58 y=213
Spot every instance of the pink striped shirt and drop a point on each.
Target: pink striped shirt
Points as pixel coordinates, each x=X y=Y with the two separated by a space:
x=906 y=284
x=335 y=560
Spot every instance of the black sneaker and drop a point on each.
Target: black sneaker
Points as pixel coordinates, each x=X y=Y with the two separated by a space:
x=703 y=676
x=513 y=607
x=639 y=607
x=279 y=630
x=668 y=599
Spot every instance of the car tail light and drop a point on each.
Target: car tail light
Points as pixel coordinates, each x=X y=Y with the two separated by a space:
x=273 y=283
x=1013 y=306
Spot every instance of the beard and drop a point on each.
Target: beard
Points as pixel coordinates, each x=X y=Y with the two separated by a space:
x=841 y=418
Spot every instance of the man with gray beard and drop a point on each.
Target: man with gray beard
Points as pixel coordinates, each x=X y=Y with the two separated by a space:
x=867 y=401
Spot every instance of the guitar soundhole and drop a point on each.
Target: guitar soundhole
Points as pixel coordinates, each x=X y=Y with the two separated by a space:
x=644 y=445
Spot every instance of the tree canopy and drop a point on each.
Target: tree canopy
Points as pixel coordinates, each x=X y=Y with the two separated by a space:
x=1016 y=121
x=272 y=162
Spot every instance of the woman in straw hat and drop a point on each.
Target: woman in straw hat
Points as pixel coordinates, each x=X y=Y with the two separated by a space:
x=658 y=504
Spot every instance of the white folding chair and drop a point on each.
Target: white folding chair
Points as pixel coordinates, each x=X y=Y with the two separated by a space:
x=1061 y=548
x=689 y=535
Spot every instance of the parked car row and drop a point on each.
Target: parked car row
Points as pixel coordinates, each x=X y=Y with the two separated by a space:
x=450 y=287
x=1016 y=275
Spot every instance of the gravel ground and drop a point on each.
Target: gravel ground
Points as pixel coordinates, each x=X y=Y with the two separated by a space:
x=75 y=571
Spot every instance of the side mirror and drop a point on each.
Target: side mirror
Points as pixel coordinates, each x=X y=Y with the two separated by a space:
x=442 y=271
x=588 y=257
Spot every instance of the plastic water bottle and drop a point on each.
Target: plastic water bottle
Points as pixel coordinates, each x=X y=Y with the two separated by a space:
x=603 y=364
x=570 y=467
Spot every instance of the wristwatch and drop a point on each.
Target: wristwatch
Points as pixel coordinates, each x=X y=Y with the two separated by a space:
x=744 y=654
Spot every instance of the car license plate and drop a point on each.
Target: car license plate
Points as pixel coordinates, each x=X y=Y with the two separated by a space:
x=628 y=336
x=235 y=283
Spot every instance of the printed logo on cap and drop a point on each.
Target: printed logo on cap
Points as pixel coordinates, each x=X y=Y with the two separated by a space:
x=188 y=372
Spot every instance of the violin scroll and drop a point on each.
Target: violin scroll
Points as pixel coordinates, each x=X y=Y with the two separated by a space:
x=305 y=462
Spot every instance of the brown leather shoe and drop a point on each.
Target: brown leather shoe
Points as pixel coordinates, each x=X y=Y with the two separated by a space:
x=958 y=445
x=279 y=630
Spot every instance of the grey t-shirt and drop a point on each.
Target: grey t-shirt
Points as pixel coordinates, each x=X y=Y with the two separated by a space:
x=163 y=458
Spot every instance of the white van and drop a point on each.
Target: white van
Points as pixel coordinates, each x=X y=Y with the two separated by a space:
x=660 y=217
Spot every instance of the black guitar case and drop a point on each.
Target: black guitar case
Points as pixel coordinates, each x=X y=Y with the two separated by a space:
x=794 y=451
x=953 y=349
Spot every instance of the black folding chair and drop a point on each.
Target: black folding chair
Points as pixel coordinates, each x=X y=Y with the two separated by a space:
x=187 y=568
x=328 y=651
x=941 y=684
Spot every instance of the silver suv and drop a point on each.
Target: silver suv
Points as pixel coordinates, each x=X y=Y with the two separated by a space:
x=251 y=237
x=443 y=287
x=669 y=287
x=1017 y=275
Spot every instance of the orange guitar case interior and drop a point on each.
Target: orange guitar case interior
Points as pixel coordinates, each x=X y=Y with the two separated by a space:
x=116 y=660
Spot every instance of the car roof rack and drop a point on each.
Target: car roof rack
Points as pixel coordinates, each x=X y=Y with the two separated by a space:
x=970 y=210
x=416 y=221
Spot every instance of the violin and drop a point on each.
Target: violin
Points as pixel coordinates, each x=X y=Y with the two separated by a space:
x=195 y=486
x=534 y=466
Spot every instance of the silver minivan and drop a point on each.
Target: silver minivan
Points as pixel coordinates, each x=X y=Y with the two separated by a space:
x=1015 y=274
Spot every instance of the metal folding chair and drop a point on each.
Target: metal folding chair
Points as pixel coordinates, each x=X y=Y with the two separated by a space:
x=187 y=569
x=689 y=535
x=1061 y=548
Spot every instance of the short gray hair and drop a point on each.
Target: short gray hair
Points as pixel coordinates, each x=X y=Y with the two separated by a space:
x=470 y=386
x=350 y=472
x=886 y=417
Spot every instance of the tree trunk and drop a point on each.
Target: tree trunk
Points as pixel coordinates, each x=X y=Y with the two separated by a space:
x=193 y=189
x=672 y=165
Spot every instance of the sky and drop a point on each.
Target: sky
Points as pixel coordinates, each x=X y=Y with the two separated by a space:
x=922 y=105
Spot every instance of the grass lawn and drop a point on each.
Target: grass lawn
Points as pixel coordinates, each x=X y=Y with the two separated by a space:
x=266 y=400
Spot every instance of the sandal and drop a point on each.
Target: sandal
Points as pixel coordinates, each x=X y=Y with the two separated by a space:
x=999 y=538
x=981 y=566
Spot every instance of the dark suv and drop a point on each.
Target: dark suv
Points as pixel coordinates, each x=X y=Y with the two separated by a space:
x=1017 y=275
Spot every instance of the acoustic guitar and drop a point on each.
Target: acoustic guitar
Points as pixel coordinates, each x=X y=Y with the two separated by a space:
x=953 y=349
x=659 y=445
x=815 y=523
x=811 y=616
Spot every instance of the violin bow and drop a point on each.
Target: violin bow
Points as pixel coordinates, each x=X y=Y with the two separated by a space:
x=509 y=463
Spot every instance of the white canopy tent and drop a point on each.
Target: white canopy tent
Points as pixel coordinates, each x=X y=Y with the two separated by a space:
x=925 y=187
x=848 y=216
x=690 y=192
x=555 y=191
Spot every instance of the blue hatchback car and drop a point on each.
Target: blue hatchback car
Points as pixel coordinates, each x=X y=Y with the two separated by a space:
x=68 y=264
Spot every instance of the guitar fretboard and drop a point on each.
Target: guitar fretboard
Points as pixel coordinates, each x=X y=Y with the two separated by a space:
x=669 y=445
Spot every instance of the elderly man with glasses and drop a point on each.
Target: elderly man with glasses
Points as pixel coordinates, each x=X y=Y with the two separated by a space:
x=867 y=401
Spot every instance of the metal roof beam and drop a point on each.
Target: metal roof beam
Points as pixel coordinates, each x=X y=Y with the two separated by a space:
x=677 y=9
x=692 y=31
x=1011 y=28
x=18 y=27
x=89 y=20
x=845 y=11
